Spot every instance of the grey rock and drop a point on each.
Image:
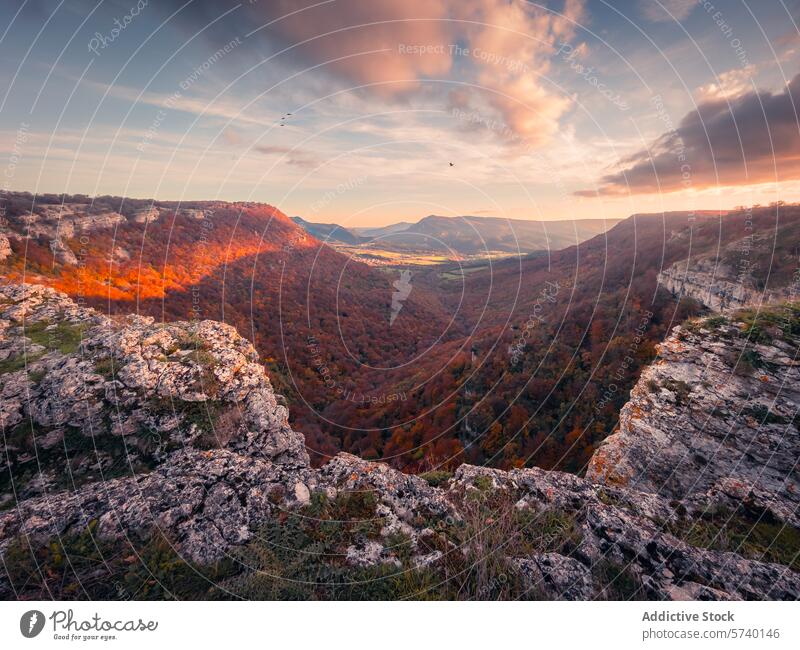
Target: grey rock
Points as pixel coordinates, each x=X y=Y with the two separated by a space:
x=557 y=577
x=731 y=434
x=718 y=286
x=5 y=247
x=138 y=390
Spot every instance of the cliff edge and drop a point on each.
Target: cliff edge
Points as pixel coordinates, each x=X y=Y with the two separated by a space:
x=148 y=460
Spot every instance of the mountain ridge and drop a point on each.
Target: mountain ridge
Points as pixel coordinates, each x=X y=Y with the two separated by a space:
x=467 y=235
x=328 y=232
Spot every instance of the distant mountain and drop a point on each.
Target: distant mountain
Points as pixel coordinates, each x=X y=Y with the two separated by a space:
x=467 y=235
x=377 y=233
x=328 y=232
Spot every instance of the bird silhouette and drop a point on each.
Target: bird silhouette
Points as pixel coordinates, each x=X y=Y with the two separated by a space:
x=452 y=164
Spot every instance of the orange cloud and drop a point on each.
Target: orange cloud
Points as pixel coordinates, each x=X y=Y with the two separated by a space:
x=727 y=85
x=512 y=50
x=361 y=40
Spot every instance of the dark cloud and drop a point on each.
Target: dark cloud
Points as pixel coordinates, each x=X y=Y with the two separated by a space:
x=752 y=138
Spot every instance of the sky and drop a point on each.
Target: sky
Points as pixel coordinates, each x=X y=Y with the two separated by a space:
x=368 y=112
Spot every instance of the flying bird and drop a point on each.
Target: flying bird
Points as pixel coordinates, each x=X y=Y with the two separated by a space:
x=452 y=164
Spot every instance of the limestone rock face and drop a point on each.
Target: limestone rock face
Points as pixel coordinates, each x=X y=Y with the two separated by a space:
x=63 y=221
x=5 y=247
x=715 y=415
x=146 y=215
x=62 y=253
x=125 y=393
x=621 y=527
x=127 y=426
x=207 y=501
x=720 y=286
x=61 y=225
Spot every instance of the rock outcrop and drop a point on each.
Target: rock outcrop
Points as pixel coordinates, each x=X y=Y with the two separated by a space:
x=122 y=394
x=717 y=288
x=60 y=225
x=125 y=427
x=714 y=418
x=63 y=221
x=5 y=247
x=745 y=273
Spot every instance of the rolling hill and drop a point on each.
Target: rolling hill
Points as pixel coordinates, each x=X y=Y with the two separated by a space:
x=328 y=232
x=465 y=236
x=474 y=235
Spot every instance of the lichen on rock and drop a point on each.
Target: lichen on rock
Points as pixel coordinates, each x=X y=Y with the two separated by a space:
x=124 y=430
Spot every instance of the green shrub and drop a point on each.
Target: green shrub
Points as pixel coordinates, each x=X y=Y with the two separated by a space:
x=436 y=478
x=13 y=364
x=680 y=388
x=63 y=336
x=105 y=367
x=747 y=362
x=81 y=566
x=715 y=322
x=755 y=536
x=548 y=531
x=122 y=457
x=763 y=415
x=204 y=416
x=619 y=582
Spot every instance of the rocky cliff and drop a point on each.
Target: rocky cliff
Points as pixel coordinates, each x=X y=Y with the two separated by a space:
x=154 y=460
x=58 y=221
x=750 y=271
x=715 y=416
x=718 y=287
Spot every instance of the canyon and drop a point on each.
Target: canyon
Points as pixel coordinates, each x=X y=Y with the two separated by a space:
x=119 y=430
